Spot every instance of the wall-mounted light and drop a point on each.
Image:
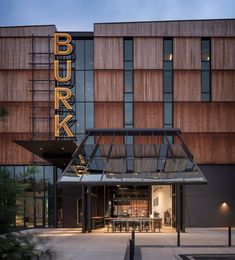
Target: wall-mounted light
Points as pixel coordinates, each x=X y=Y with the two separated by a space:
x=224 y=206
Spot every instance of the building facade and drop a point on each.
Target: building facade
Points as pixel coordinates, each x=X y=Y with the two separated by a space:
x=171 y=74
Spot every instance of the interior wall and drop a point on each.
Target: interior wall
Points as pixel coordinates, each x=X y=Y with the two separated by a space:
x=161 y=200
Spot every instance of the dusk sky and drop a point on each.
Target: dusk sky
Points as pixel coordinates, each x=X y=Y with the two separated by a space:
x=80 y=15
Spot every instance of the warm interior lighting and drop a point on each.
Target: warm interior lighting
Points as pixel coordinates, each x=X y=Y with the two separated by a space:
x=62 y=148
x=224 y=204
x=41 y=148
x=170 y=58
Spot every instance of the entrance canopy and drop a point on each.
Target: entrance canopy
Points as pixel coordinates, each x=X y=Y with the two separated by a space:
x=132 y=157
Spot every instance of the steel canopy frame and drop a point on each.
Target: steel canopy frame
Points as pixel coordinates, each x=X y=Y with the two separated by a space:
x=102 y=163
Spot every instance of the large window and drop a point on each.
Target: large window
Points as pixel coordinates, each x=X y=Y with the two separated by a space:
x=36 y=207
x=205 y=69
x=84 y=92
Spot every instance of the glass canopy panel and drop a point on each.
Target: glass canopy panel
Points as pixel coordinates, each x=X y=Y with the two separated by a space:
x=131 y=163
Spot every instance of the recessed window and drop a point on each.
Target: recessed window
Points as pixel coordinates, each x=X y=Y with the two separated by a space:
x=128 y=113
x=205 y=69
x=128 y=81
x=167 y=49
x=205 y=48
x=206 y=81
x=128 y=97
x=168 y=113
x=167 y=81
x=128 y=55
x=128 y=65
x=168 y=84
x=128 y=86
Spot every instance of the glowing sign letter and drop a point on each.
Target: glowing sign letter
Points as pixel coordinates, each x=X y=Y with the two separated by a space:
x=65 y=43
x=62 y=94
x=57 y=71
x=62 y=124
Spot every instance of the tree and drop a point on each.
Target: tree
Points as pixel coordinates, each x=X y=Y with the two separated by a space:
x=9 y=190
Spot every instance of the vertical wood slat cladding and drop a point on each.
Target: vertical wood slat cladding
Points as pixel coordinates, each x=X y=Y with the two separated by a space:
x=42 y=114
x=109 y=115
x=15 y=85
x=108 y=85
x=108 y=53
x=11 y=153
x=223 y=85
x=19 y=31
x=147 y=139
x=148 y=85
x=14 y=53
x=41 y=45
x=17 y=119
x=205 y=117
x=223 y=53
x=202 y=144
x=148 y=115
x=187 y=53
x=148 y=53
x=187 y=85
x=199 y=28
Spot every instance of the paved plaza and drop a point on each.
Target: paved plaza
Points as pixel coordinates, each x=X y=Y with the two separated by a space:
x=71 y=244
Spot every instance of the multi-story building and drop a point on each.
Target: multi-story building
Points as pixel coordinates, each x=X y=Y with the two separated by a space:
x=143 y=75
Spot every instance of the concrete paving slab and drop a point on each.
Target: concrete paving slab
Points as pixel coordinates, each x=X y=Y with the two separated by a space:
x=71 y=244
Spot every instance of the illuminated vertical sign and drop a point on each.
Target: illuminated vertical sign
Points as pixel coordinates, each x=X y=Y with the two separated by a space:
x=62 y=94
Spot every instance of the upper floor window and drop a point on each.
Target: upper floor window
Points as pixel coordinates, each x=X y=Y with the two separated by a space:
x=205 y=49
x=205 y=69
x=168 y=50
x=128 y=53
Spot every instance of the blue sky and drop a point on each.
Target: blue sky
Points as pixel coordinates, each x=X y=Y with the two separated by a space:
x=80 y=15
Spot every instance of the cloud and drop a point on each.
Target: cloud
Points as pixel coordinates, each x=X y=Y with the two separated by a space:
x=80 y=15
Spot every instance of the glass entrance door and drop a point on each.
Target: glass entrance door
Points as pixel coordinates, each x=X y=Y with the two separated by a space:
x=39 y=212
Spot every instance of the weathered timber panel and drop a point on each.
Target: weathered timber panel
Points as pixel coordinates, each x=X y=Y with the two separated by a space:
x=108 y=85
x=108 y=53
x=148 y=53
x=187 y=85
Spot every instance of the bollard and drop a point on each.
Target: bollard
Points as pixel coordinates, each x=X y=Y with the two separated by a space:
x=178 y=236
x=133 y=239
x=133 y=236
x=229 y=236
x=132 y=249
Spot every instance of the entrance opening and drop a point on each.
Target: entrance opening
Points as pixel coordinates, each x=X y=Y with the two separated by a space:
x=162 y=199
x=130 y=202
x=126 y=208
